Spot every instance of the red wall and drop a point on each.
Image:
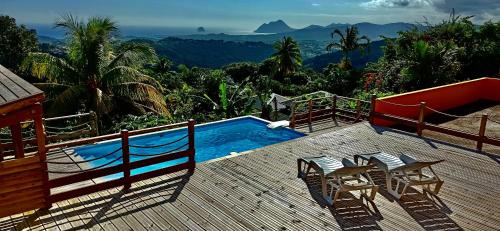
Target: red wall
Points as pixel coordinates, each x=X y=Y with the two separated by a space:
x=440 y=98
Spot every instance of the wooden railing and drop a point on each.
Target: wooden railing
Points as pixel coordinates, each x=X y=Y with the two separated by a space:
x=315 y=109
x=121 y=163
x=57 y=129
x=419 y=123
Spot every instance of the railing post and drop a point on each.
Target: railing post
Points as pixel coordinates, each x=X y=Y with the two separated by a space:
x=334 y=107
x=372 y=108
x=126 y=160
x=192 y=151
x=310 y=104
x=482 y=130
x=42 y=153
x=420 y=125
x=292 y=122
x=17 y=140
x=275 y=101
x=1 y=151
x=93 y=123
x=358 y=110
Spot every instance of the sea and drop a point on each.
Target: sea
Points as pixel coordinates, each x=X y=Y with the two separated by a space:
x=153 y=32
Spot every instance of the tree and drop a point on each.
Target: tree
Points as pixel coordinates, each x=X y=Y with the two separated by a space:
x=287 y=57
x=95 y=74
x=233 y=99
x=348 y=42
x=15 y=42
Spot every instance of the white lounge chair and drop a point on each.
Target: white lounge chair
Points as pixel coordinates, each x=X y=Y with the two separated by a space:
x=343 y=176
x=405 y=170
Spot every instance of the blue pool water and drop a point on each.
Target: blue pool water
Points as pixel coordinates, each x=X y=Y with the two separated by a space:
x=211 y=141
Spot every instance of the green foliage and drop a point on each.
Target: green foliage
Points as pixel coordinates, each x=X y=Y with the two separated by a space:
x=133 y=122
x=15 y=42
x=241 y=71
x=451 y=51
x=128 y=82
x=97 y=74
x=347 y=43
x=287 y=57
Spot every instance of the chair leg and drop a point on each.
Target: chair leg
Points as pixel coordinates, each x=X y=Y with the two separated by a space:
x=407 y=185
x=324 y=188
x=300 y=169
x=336 y=197
x=393 y=192
x=373 y=192
x=438 y=187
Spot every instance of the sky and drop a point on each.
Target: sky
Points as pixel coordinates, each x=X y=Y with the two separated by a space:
x=248 y=14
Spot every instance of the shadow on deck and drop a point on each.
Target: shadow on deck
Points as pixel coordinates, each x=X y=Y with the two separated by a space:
x=260 y=190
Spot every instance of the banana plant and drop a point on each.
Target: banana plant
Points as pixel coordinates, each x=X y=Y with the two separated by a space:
x=234 y=100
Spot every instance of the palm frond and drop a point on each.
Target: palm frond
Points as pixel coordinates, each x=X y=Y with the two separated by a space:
x=51 y=90
x=143 y=93
x=55 y=70
x=68 y=101
x=124 y=74
x=133 y=54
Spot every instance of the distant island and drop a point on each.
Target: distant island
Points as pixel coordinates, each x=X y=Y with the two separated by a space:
x=274 y=27
x=201 y=29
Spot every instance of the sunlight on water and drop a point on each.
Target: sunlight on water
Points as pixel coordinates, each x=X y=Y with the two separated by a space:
x=211 y=141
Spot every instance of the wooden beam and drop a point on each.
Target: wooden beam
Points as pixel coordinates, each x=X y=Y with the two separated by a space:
x=126 y=160
x=372 y=108
x=421 y=115
x=17 y=140
x=482 y=130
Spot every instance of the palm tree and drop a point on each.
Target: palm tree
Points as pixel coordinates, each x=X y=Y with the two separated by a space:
x=348 y=42
x=93 y=75
x=287 y=57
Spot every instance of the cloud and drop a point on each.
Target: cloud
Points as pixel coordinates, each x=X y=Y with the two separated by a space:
x=477 y=7
x=316 y=4
x=396 y=3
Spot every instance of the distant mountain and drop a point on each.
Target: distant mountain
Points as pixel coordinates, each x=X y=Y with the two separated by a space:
x=209 y=53
x=334 y=25
x=313 y=27
x=48 y=39
x=358 y=60
x=274 y=27
x=313 y=33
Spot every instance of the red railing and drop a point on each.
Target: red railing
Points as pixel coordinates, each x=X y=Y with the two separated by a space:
x=184 y=149
x=316 y=109
x=419 y=124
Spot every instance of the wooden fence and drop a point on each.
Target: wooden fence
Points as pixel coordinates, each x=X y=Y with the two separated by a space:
x=56 y=129
x=419 y=123
x=120 y=162
x=315 y=109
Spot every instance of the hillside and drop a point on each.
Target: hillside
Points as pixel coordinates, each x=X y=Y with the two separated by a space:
x=358 y=60
x=274 y=27
x=210 y=53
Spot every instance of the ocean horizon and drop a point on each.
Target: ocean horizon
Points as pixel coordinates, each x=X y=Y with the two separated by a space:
x=144 y=31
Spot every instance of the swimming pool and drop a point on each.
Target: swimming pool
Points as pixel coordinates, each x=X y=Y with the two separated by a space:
x=212 y=140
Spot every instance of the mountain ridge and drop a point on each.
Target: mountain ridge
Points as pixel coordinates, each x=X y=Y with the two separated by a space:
x=278 y=26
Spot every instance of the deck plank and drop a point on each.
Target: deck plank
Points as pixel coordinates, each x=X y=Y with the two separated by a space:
x=260 y=190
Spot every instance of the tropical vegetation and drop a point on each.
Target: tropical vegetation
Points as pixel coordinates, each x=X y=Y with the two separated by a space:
x=96 y=74
x=131 y=87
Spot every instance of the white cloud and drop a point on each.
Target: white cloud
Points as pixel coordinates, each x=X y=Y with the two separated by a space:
x=396 y=3
x=316 y=4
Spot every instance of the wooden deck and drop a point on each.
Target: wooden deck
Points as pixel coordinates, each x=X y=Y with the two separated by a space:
x=259 y=190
